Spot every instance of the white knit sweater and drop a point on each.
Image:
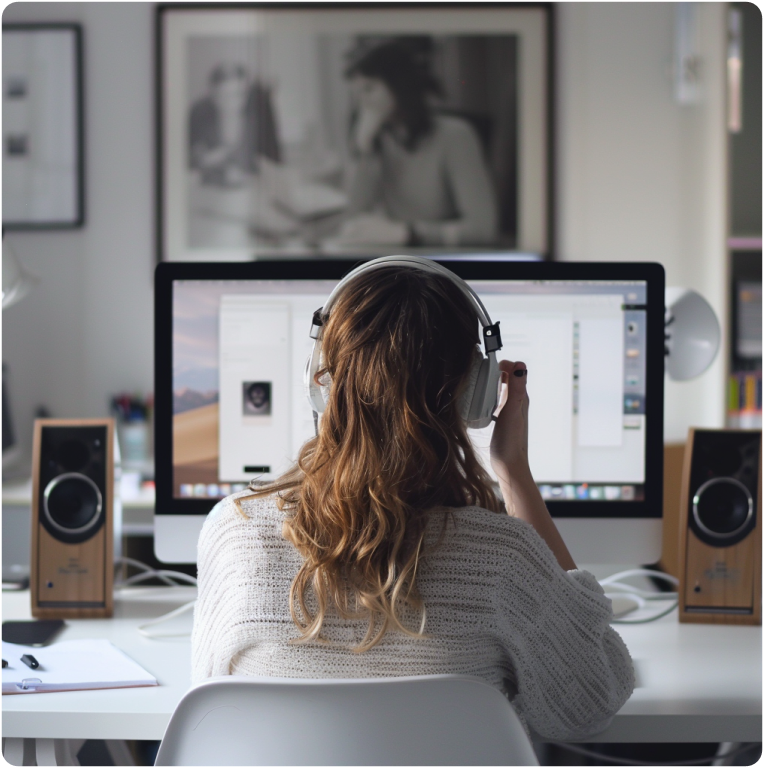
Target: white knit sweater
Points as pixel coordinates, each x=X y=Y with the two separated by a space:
x=499 y=607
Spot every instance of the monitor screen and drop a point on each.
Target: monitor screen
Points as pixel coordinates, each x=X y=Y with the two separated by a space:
x=232 y=342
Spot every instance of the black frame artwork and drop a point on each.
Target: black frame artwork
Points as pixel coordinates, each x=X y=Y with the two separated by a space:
x=43 y=142
x=263 y=142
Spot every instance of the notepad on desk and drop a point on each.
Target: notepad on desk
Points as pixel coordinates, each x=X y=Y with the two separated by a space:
x=72 y=665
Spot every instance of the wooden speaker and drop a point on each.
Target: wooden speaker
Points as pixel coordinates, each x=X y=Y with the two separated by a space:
x=72 y=559
x=720 y=528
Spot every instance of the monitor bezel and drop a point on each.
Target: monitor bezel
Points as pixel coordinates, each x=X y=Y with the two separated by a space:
x=652 y=273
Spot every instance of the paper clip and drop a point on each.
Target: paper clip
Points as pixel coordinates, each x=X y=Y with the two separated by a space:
x=28 y=683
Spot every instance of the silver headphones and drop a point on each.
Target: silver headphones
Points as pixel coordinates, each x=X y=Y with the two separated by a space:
x=480 y=398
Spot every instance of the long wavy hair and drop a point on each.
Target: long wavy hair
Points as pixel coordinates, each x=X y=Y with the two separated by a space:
x=403 y=64
x=392 y=450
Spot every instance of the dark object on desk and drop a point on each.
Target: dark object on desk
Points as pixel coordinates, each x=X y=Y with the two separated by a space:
x=35 y=633
x=72 y=558
x=15 y=583
x=5 y=663
x=30 y=661
x=720 y=528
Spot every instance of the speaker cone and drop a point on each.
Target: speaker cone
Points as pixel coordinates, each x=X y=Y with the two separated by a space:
x=72 y=503
x=722 y=507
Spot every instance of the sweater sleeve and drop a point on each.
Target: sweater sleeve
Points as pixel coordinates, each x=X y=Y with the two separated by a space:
x=218 y=599
x=573 y=671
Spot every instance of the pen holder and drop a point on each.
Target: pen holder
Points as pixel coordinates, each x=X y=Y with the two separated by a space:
x=134 y=441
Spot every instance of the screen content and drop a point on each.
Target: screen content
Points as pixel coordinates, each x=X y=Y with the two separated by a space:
x=240 y=411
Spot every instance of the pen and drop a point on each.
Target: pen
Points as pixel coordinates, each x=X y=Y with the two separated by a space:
x=30 y=661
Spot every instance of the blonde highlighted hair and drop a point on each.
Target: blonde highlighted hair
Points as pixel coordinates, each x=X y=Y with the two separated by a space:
x=391 y=449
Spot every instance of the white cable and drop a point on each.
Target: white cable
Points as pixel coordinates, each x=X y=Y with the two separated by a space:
x=166 y=617
x=639 y=596
x=641 y=572
x=165 y=576
x=625 y=761
x=149 y=572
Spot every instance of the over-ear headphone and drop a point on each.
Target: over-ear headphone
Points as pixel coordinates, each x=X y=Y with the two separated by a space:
x=480 y=397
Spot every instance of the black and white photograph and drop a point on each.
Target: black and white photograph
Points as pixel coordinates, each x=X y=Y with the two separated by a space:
x=307 y=132
x=42 y=126
x=256 y=398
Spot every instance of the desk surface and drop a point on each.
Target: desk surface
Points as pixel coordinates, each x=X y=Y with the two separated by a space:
x=695 y=682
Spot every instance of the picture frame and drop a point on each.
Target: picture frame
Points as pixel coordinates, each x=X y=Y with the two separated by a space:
x=333 y=130
x=43 y=143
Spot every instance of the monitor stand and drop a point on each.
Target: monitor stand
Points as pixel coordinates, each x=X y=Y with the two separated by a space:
x=176 y=537
x=628 y=541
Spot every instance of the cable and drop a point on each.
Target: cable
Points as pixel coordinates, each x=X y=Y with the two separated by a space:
x=625 y=761
x=149 y=573
x=166 y=617
x=640 y=596
x=166 y=577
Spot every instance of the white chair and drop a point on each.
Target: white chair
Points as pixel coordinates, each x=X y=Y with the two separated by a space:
x=432 y=720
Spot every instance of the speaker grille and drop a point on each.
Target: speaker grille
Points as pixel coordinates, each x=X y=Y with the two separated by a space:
x=723 y=486
x=73 y=476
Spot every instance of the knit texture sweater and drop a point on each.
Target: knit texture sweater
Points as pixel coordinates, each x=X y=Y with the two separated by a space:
x=498 y=607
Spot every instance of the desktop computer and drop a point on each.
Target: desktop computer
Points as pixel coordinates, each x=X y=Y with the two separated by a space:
x=232 y=341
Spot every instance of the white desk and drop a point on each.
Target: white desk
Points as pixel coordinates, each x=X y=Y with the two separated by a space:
x=695 y=682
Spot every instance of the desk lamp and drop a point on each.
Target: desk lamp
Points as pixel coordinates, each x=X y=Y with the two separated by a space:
x=692 y=334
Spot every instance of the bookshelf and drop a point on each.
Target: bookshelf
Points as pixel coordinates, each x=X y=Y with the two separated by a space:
x=744 y=245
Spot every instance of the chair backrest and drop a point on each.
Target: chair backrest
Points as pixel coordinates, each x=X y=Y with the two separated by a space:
x=432 y=720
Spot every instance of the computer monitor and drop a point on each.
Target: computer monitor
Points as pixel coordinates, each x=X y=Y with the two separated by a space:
x=232 y=341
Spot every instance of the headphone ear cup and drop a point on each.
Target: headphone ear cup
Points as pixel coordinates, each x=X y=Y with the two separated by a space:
x=314 y=392
x=485 y=394
x=473 y=378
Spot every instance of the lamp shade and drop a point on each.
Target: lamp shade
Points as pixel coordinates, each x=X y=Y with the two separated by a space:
x=693 y=334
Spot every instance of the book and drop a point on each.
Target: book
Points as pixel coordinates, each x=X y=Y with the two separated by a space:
x=72 y=665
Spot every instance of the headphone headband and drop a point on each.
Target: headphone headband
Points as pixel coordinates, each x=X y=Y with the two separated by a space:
x=491 y=333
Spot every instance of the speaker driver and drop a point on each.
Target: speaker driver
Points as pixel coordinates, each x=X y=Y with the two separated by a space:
x=722 y=507
x=72 y=503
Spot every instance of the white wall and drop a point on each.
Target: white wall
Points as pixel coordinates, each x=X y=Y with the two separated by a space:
x=86 y=331
x=639 y=178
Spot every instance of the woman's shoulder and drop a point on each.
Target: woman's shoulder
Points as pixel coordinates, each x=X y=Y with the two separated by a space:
x=238 y=512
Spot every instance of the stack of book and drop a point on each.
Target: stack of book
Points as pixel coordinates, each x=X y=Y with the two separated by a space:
x=744 y=403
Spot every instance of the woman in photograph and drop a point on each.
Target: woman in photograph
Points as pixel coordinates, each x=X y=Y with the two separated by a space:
x=230 y=127
x=418 y=177
x=385 y=551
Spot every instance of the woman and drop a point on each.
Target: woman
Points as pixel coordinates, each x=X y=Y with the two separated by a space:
x=418 y=177
x=384 y=551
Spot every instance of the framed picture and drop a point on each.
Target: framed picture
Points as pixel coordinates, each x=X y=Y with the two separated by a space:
x=326 y=130
x=42 y=126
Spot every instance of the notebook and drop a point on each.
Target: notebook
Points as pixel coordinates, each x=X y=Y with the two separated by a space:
x=72 y=665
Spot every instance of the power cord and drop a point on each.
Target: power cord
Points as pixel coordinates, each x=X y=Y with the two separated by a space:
x=625 y=761
x=640 y=597
x=166 y=577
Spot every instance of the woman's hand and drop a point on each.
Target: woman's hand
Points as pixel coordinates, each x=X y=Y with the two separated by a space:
x=509 y=444
x=370 y=122
x=376 y=104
